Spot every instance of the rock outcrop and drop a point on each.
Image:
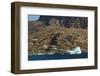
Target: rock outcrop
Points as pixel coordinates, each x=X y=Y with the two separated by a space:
x=68 y=22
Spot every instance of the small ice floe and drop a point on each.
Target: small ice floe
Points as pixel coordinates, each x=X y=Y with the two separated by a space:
x=77 y=50
x=51 y=53
x=40 y=53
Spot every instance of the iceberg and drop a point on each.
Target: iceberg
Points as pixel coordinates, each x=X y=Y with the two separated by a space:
x=77 y=50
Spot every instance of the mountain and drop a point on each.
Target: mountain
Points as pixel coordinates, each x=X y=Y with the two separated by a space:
x=67 y=22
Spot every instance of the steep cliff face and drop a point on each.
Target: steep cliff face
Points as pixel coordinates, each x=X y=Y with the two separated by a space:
x=76 y=22
x=67 y=22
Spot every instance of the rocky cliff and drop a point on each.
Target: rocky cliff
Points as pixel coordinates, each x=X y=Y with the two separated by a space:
x=68 y=22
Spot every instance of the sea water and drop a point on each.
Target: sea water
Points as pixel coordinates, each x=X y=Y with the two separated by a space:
x=58 y=56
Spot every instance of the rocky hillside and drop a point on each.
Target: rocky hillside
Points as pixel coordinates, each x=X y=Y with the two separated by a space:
x=49 y=39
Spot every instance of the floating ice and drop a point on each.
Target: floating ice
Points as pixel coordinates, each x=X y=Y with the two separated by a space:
x=77 y=50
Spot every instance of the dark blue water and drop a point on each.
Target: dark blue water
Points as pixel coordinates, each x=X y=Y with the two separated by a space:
x=57 y=56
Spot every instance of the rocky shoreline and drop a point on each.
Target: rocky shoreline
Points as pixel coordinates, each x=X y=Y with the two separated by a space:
x=57 y=40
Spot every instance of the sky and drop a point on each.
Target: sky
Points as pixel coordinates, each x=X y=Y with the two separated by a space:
x=33 y=17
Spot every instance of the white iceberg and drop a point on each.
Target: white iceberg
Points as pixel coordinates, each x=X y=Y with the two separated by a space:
x=77 y=50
